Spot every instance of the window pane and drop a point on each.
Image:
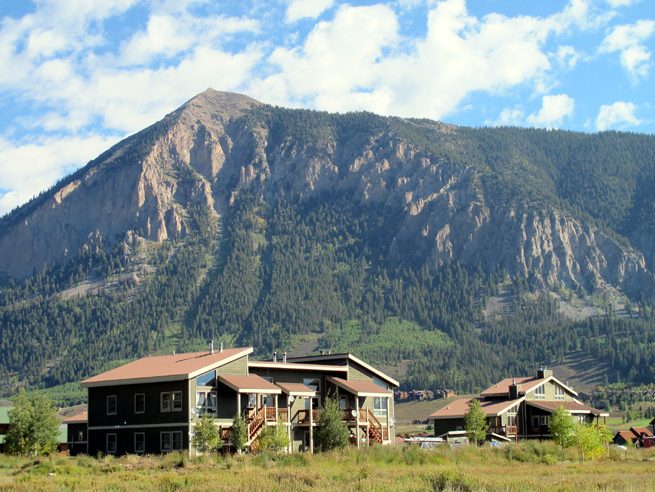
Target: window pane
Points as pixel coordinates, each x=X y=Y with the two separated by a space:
x=177 y=400
x=111 y=405
x=207 y=379
x=177 y=440
x=166 y=441
x=165 y=402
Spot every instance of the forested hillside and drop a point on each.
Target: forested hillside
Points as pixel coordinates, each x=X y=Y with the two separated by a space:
x=382 y=236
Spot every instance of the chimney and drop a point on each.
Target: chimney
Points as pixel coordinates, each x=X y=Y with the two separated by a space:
x=275 y=356
x=513 y=390
x=211 y=347
x=544 y=373
x=221 y=347
x=284 y=357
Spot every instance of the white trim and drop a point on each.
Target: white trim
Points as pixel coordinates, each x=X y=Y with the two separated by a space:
x=115 y=397
x=173 y=448
x=144 y=443
x=359 y=393
x=107 y=442
x=138 y=426
x=291 y=366
x=172 y=401
x=170 y=377
x=144 y=403
x=259 y=391
x=351 y=357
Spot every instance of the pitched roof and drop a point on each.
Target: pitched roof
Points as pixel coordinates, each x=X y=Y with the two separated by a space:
x=525 y=384
x=296 y=389
x=167 y=367
x=360 y=387
x=641 y=431
x=295 y=366
x=501 y=388
x=570 y=406
x=78 y=418
x=458 y=408
x=626 y=435
x=346 y=356
x=249 y=384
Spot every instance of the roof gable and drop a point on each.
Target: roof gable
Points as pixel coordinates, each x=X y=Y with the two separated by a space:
x=167 y=367
x=346 y=357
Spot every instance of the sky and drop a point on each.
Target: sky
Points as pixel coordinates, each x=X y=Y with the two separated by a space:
x=77 y=76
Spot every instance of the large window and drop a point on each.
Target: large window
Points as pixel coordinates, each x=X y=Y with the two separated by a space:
x=207 y=379
x=380 y=406
x=111 y=404
x=111 y=444
x=206 y=402
x=139 y=442
x=540 y=391
x=559 y=392
x=171 y=441
x=139 y=403
x=171 y=401
x=314 y=384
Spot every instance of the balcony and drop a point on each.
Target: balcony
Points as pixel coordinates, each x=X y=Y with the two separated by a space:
x=504 y=430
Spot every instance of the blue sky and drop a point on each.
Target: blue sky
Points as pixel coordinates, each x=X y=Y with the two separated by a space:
x=77 y=76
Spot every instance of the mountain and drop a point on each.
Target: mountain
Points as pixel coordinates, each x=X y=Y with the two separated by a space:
x=237 y=220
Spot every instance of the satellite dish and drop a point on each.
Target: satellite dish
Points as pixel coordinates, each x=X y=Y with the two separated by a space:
x=353 y=412
x=194 y=410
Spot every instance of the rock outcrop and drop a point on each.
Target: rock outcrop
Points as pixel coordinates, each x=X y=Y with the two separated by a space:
x=218 y=144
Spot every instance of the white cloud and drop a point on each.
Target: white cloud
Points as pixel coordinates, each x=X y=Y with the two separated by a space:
x=621 y=3
x=509 y=117
x=302 y=9
x=26 y=170
x=567 y=56
x=627 y=39
x=553 y=111
x=618 y=115
x=338 y=59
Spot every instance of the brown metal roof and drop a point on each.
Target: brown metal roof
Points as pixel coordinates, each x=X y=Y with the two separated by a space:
x=296 y=389
x=249 y=384
x=501 y=388
x=360 y=387
x=460 y=406
x=570 y=406
x=79 y=418
x=641 y=431
x=626 y=435
x=167 y=367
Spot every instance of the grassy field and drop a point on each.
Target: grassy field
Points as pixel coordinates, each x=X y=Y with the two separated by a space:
x=529 y=466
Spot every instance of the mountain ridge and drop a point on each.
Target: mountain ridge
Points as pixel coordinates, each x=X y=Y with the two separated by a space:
x=236 y=220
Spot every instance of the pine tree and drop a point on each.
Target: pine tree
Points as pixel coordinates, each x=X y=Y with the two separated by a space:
x=475 y=423
x=331 y=432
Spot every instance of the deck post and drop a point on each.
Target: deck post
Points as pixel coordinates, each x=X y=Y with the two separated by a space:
x=238 y=404
x=276 y=410
x=388 y=426
x=290 y=447
x=311 y=426
x=357 y=419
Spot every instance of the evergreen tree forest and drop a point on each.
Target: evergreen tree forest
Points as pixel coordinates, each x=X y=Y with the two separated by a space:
x=277 y=270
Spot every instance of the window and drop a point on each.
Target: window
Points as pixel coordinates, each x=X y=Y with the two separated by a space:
x=343 y=402
x=111 y=404
x=111 y=444
x=380 y=383
x=380 y=406
x=540 y=391
x=252 y=400
x=314 y=384
x=171 y=401
x=80 y=436
x=206 y=402
x=139 y=442
x=139 y=403
x=511 y=420
x=207 y=379
x=545 y=420
x=559 y=392
x=171 y=441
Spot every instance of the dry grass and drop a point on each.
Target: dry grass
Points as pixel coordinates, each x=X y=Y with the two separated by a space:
x=529 y=466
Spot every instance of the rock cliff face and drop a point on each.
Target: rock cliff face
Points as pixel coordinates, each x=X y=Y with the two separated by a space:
x=218 y=144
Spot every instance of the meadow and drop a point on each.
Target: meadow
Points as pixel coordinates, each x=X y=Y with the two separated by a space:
x=534 y=466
